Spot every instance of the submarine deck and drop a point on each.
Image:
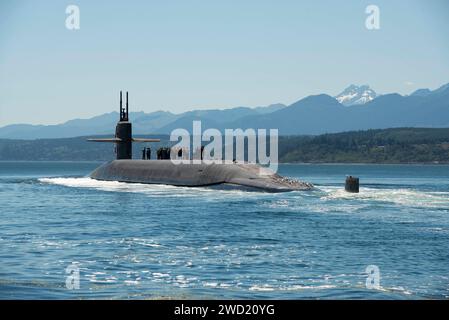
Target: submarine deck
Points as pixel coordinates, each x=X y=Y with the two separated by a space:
x=195 y=175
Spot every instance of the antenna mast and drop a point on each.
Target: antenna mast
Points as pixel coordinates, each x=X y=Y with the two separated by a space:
x=121 y=107
x=126 y=115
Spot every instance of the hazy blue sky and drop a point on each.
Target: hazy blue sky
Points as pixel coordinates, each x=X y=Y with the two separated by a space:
x=179 y=55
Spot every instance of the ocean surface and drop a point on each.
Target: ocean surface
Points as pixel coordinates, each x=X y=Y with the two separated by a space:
x=134 y=241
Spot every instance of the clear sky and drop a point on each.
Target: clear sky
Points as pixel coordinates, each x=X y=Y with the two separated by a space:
x=180 y=55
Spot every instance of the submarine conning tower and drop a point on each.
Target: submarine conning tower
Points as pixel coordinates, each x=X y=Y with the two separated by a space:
x=123 y=134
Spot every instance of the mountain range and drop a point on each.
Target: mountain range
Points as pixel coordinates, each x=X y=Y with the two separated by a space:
x=356 y=108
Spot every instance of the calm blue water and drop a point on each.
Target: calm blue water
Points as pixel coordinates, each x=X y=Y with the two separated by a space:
x=149 y=242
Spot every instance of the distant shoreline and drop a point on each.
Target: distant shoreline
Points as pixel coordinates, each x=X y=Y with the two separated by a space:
x=368 y=163
x=412 y=146
x=280 y=163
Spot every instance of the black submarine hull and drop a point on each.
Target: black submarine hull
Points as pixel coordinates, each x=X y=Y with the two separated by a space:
x=248 y=176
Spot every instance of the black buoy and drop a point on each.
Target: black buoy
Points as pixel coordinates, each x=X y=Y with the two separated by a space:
x=352 y=184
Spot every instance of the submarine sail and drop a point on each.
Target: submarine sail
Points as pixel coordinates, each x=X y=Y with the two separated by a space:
x=123 y=134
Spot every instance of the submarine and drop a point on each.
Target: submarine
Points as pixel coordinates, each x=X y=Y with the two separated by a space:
x=244 y=175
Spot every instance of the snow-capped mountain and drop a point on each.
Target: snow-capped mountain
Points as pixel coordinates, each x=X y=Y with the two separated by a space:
x=355 y=95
